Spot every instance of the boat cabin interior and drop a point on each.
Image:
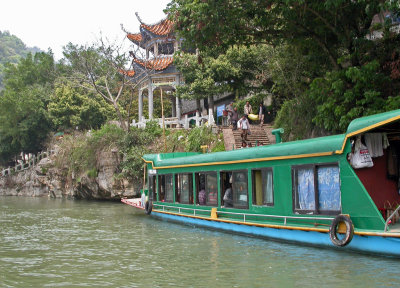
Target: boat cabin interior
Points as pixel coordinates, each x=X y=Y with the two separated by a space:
x=382 y=180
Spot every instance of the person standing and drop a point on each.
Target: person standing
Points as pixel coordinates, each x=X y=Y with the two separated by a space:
x=229 y=108
x=245 y=126
x=261 y=113
x=247 y=109
x=234 y=118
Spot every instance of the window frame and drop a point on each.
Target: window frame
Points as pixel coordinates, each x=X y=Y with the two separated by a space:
x=165 y=190
x=263 y=184
x=221 y=185
x=190 y=186
x=317 y=210
x=152 y=188
x=197 y=179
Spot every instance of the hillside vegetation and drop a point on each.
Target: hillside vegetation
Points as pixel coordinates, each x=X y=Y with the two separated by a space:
x=11 y=50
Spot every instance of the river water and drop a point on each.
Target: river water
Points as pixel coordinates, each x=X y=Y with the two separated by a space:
x=64 y=243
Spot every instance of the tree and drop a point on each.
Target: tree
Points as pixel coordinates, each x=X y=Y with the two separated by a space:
x=335 y=74
x=330 y=28
x=12 y=49
x=24 y=121
x=71 y=106
x=96 y=69
x=239 y=70
x=37 y=69
x=100 y=68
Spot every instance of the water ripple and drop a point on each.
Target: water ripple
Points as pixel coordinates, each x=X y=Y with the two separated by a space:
x=59 y=243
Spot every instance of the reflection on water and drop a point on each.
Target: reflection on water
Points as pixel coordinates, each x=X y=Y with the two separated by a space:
x=63 y=243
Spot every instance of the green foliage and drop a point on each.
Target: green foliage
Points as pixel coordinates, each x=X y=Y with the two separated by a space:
x=80 y=152
x=238 y=70
x=97 y=68
x=12 y=49
x=323 y=28
x=344 y=95
x=219 y=144
x=71 y=106
x=199 y=136
x=254 y=102
x=76 y=155
x=24 y=122
x=38 y=69
x=153 y=128
x=295 y=117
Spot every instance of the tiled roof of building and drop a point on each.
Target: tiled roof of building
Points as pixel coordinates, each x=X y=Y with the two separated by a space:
x=164 y=27
x=129 y=73
x=135 y=37
x=157 y=64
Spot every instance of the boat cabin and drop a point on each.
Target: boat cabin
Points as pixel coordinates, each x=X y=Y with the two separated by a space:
x=356 y=174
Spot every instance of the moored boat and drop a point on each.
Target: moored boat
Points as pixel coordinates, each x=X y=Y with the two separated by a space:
x=336 y=191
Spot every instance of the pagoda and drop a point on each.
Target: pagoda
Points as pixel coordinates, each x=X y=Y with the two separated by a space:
x=156 y=70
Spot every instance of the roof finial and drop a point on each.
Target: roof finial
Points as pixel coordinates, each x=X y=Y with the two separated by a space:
x=137 y=16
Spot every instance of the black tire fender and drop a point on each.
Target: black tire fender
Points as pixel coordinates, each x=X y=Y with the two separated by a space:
x=148 y=207
x=333 y=231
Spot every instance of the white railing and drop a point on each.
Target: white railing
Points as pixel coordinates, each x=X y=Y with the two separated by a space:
x=27 y=165
x=284 y=218
x=174 y=122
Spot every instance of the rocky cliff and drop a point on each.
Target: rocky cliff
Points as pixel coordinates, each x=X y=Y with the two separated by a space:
x=45 y=179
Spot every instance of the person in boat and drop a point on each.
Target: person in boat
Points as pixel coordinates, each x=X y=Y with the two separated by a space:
x=244 y=144
x=228 y=199
x=202 y=197
x=245 y=126
x=212 y=196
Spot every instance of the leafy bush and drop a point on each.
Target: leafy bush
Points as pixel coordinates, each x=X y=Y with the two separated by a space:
x=197 y=137
x=344 y=95
x=254 y=102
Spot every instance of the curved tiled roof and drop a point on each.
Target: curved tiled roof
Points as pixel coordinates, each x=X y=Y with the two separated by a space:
x=157 y=64
x=164 y=27
x=129 y=73
x=135 y=37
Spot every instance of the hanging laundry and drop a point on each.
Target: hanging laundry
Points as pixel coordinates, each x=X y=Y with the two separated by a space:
x=374 y=143
x=385 y=141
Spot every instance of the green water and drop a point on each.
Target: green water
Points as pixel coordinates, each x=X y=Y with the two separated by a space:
x=64 y=243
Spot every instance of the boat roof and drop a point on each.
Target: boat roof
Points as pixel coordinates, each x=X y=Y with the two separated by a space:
x=321 y=146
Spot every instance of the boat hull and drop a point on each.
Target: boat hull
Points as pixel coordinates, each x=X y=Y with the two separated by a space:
x=380 y=245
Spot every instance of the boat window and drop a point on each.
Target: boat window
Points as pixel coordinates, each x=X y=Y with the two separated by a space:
x=234 y=186
x=152 y=188
x=166 y=188
x=206 y=184
x=316 y=189
x=184 y=188
x=263 y=189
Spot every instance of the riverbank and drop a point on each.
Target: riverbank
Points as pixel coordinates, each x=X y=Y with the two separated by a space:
x=48 y=179
x=102 y=164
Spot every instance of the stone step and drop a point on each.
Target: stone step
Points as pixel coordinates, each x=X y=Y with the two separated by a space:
x=258 y=135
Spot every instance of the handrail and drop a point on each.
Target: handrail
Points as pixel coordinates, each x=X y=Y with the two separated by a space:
x=390 y=218
x=24 y=166
x=285 y=218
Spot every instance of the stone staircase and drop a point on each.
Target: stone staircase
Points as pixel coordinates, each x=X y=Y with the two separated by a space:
x=258 y=135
